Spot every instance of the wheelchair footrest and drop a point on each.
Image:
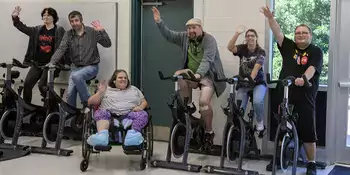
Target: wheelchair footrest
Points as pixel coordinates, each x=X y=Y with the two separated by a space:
x=133 y=150
x=103 y=148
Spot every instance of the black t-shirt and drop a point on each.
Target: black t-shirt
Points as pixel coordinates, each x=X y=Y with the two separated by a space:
x=295 y=63
x=46 y=45
x=247 y=62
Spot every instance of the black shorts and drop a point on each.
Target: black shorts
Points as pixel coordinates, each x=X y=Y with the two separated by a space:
x=306 y=123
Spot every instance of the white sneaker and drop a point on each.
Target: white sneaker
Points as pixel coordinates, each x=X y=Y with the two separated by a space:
x=260 y=126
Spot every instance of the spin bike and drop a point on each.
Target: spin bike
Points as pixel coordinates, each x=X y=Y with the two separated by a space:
x=287 y=126
x=68 y=117
x=234 y=141
x=183 y=127
x=29 y=117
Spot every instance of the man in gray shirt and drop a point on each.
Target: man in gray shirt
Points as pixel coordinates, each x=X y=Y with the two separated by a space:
x=201 y=56
x=81 y=43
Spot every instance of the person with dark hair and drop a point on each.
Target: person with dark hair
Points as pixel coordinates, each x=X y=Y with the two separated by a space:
x=43 y=41
x=123 y=100
x=252 y=58
x=300 y=57
x=80 y=43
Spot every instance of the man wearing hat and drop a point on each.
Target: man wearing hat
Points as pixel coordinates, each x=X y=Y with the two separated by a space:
x=201 y=56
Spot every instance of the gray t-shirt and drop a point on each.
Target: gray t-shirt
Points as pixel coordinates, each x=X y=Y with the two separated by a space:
x=121 y=102
x=247 y=62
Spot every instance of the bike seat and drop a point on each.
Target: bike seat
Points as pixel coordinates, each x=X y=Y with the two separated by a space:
x=250 y=95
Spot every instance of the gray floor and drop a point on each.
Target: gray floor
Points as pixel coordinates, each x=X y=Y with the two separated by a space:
x=109 y=163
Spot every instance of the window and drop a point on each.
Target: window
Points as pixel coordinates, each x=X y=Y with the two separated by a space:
x=314 y=13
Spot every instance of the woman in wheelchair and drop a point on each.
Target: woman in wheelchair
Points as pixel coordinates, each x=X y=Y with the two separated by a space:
x=119 y=101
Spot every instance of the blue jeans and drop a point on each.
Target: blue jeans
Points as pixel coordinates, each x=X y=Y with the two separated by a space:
x=77 y=83
x=258 y=100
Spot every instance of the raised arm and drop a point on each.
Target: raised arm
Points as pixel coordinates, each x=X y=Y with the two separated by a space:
x=19 y=24
x=96 y=98
x=232 y=44
x=169 y=35
x=101 y=34
x=276 y=30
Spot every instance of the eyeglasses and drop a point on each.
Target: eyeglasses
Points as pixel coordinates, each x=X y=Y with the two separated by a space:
x=301 y=33
x=248 y=36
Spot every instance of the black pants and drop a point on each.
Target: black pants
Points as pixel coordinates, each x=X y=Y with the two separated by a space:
x=35 y=74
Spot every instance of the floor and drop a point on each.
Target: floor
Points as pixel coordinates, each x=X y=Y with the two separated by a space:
x=110 y=163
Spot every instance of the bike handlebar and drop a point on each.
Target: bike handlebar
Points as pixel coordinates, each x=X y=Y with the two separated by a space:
x=177 y=77
x=61 y=67
x=288 y=80
x=235 y=79
x=15 y=63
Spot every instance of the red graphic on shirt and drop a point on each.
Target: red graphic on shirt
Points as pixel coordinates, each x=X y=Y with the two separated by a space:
x=304 y=60
x=46 y=43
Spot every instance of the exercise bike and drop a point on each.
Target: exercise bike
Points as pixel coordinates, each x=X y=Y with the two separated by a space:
x=182 y=128
x=287 y=120
x=29 y=117
x=235 y=132
x=68 y=117
x=291 y=150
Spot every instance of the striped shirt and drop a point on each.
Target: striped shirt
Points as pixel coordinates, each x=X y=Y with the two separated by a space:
x=82 y=49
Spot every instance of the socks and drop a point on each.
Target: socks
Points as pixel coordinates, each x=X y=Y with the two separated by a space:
x=209 y=132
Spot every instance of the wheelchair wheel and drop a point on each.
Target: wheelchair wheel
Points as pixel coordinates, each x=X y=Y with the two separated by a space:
x=85 y=135
x=150 y=140
x=286 y=153
x=84 y=165
x=8 y=123
x=233 y=143
x=177 y=140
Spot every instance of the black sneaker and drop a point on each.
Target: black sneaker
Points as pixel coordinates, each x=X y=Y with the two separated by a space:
x=269 y=166
x=208 y=141
x=311 y=168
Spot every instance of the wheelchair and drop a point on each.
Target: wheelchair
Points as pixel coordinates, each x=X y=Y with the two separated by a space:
x=145 y=149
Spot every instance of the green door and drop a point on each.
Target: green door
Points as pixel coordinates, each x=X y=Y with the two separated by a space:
x=161 y=55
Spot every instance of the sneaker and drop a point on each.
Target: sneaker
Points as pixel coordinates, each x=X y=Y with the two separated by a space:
x=208 y=140
x=311 y=168
x=269 y=166
x=260 y=126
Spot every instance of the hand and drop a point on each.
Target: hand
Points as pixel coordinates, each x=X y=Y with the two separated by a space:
x=266 y=11
x=16 y=11
x=240 y=29
x=97 y=26
x=299 y=82
x=156 y=14
x=137 y=108
x=50 y=65
x=197 y=76
x=102 y=87
x=181 y=71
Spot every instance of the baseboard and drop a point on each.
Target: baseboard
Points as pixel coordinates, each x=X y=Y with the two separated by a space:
x=161 y=133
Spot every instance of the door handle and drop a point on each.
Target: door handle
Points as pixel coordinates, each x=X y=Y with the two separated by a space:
x=344 y=84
